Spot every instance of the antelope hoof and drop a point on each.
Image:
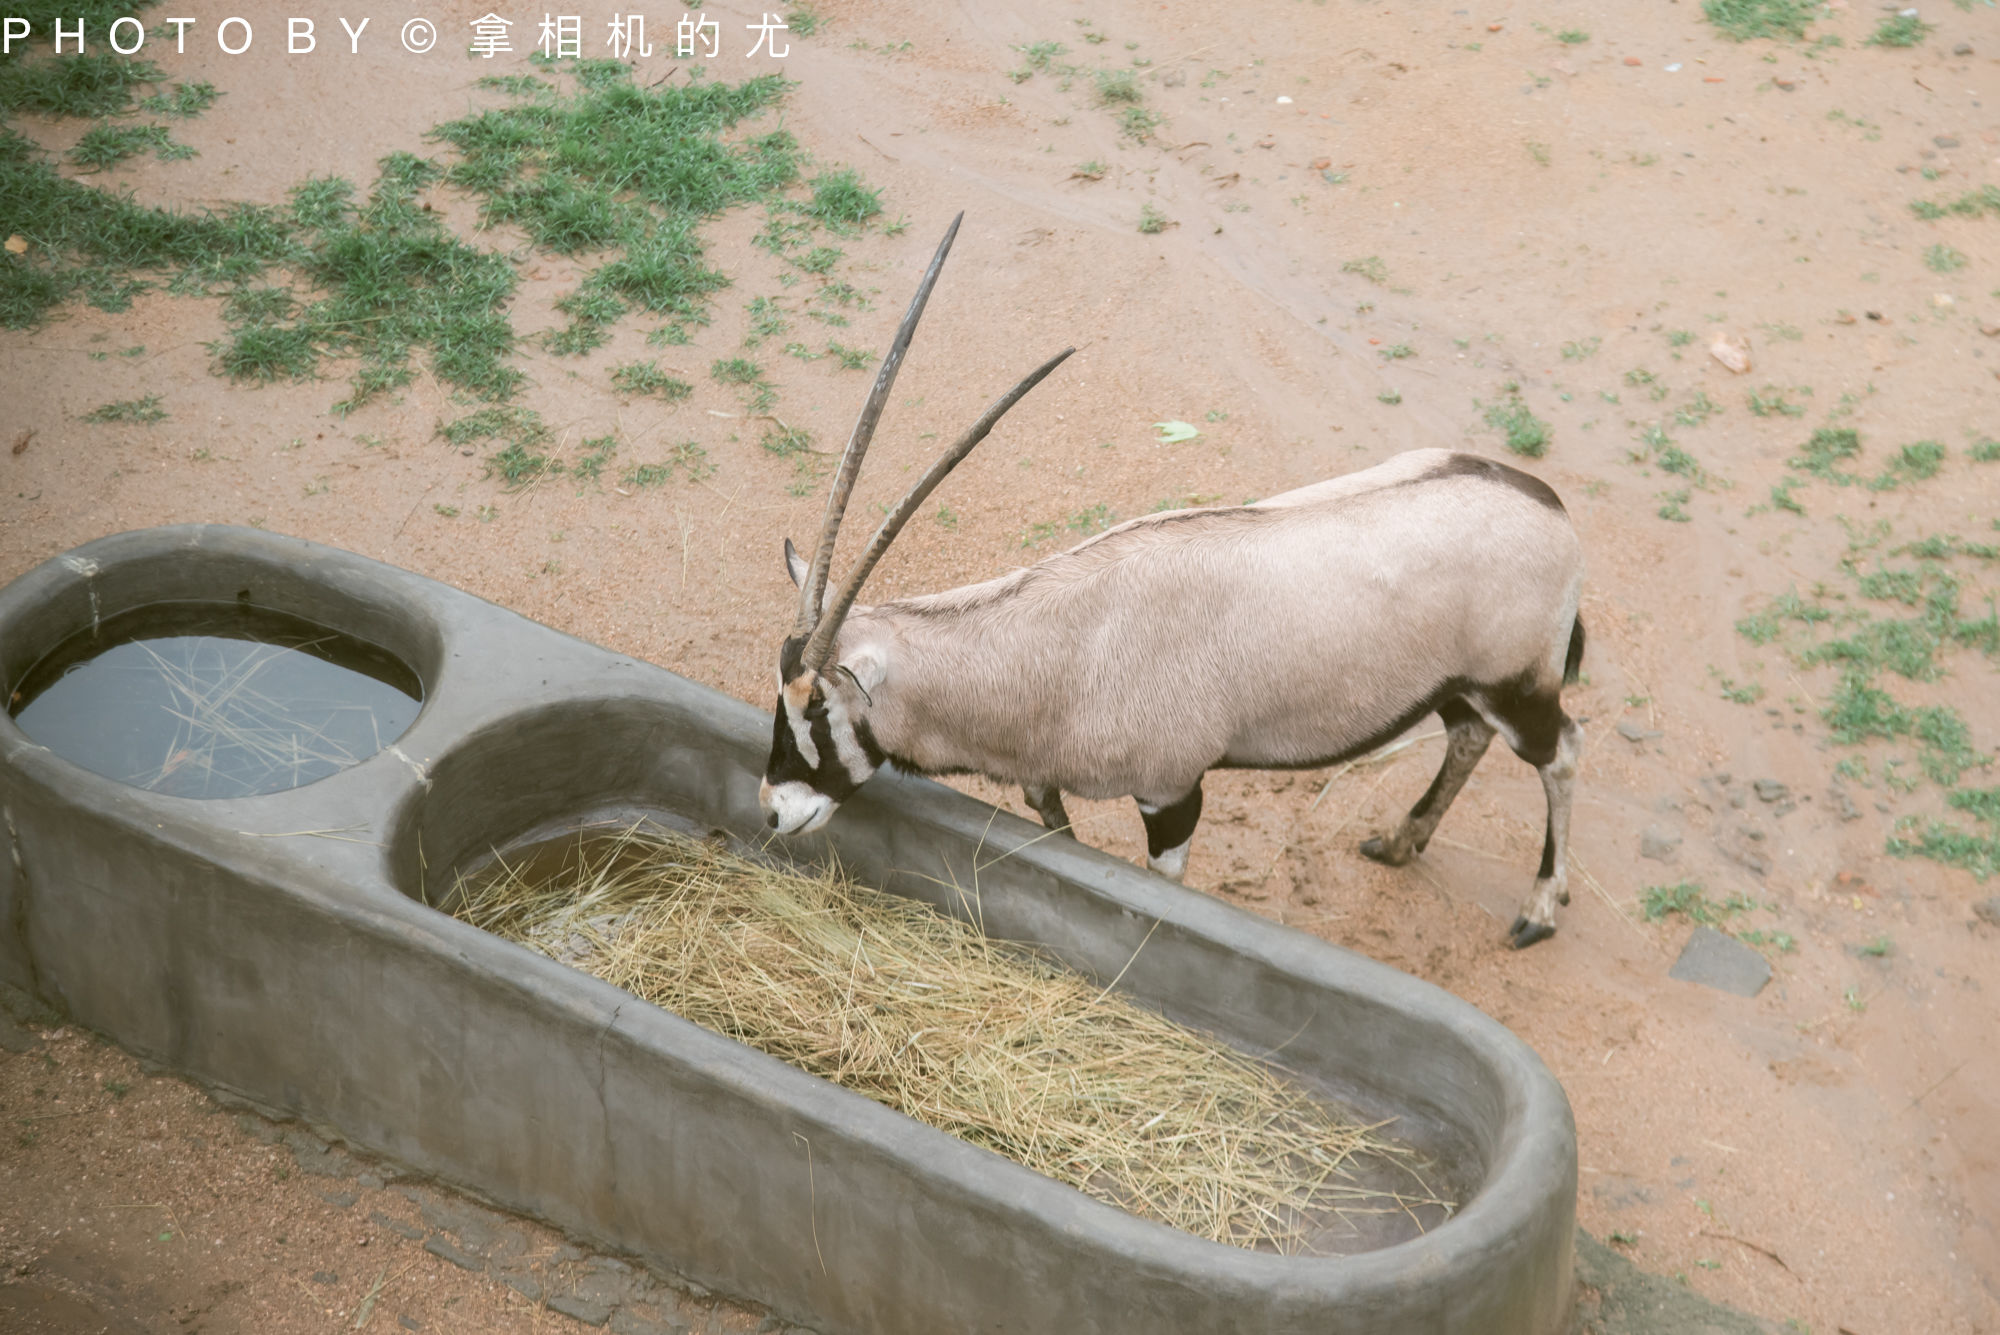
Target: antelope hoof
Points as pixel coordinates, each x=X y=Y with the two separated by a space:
x=1524 y=933
x=1383 y=851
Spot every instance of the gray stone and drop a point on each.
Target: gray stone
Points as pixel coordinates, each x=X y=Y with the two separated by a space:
x=1770 y=790
x=438 y=1245
x=478 y=1229
x=314 y=1156
x=396 y=1226
x=605 y=1285
x=1658 y=842
x=369 y=1180
x=1721 y=962
x=1988 y=910
x=1945 y=141
x=1843 y=805
x=524 y=1284
x=589 y=1313
x=15 y=1037
x=1962 y=49
x=325 y=1277
x=1632 y=731
x=409 y=1323
x=341 y=1198
x=1616 y=1297
x=631 y=1323
x=256 y=1127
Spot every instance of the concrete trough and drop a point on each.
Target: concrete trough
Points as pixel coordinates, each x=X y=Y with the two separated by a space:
x=280 y=948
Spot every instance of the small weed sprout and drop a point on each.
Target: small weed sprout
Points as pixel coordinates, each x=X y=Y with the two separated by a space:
x=638 y=378
x=1899 y=30
x=1526 y=434
x=851 y=359
x=1369 y=267
x=1152 y=221
x=1743 y=20
x=1941 y=258
x=144 y=411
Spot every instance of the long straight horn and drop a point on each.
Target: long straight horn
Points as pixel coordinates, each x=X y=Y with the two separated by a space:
x=814 y=587
x=820 y=646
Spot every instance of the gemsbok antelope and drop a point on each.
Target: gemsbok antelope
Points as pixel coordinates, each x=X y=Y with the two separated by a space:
x=1291 y=633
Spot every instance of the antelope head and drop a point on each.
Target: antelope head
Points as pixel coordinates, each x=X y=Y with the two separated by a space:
x=822 y=748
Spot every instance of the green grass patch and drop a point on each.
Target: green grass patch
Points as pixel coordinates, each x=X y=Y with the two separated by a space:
x=850 y=359
x=144 y=411
x=637 y=378
x=97 y=83
x=1525 y=433
x=1092 y=519
x=1744 y=20
x=388 y=280
x=1770 y=401
x=1823 y=451
x=1369 y=267
x=1860 y=710
x=1912 y=463
x=1899 y=30
x=687 y=459
x=106 y=145
x=841 y=200
x=184 y=100
x=1940 y=258
x=747 y=375
x=89 y=244
x=520 y=426
x=1690 y=900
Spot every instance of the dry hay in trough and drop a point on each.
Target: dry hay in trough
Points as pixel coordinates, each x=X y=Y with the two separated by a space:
x=922 y=1012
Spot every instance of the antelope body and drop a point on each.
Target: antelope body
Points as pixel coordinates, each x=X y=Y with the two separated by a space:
x=1289 y=634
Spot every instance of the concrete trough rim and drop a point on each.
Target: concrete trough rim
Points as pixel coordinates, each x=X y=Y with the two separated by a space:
x=1528 y=1169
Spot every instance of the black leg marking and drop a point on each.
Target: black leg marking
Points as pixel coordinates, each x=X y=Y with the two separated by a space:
x=1170 y=827
x=1538 y=918
x=1524 y=933
x=1048 y=804
x=1466 y=739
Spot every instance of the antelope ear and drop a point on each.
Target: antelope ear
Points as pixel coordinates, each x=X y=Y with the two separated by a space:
x=794 y=565
x=867 y=664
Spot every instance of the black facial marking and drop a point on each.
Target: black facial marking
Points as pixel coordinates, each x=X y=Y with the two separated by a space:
x=1170 y=827
x=869 y=746
x=787 y=765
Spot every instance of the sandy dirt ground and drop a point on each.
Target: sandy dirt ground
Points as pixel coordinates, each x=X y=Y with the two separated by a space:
x=1338 y=182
